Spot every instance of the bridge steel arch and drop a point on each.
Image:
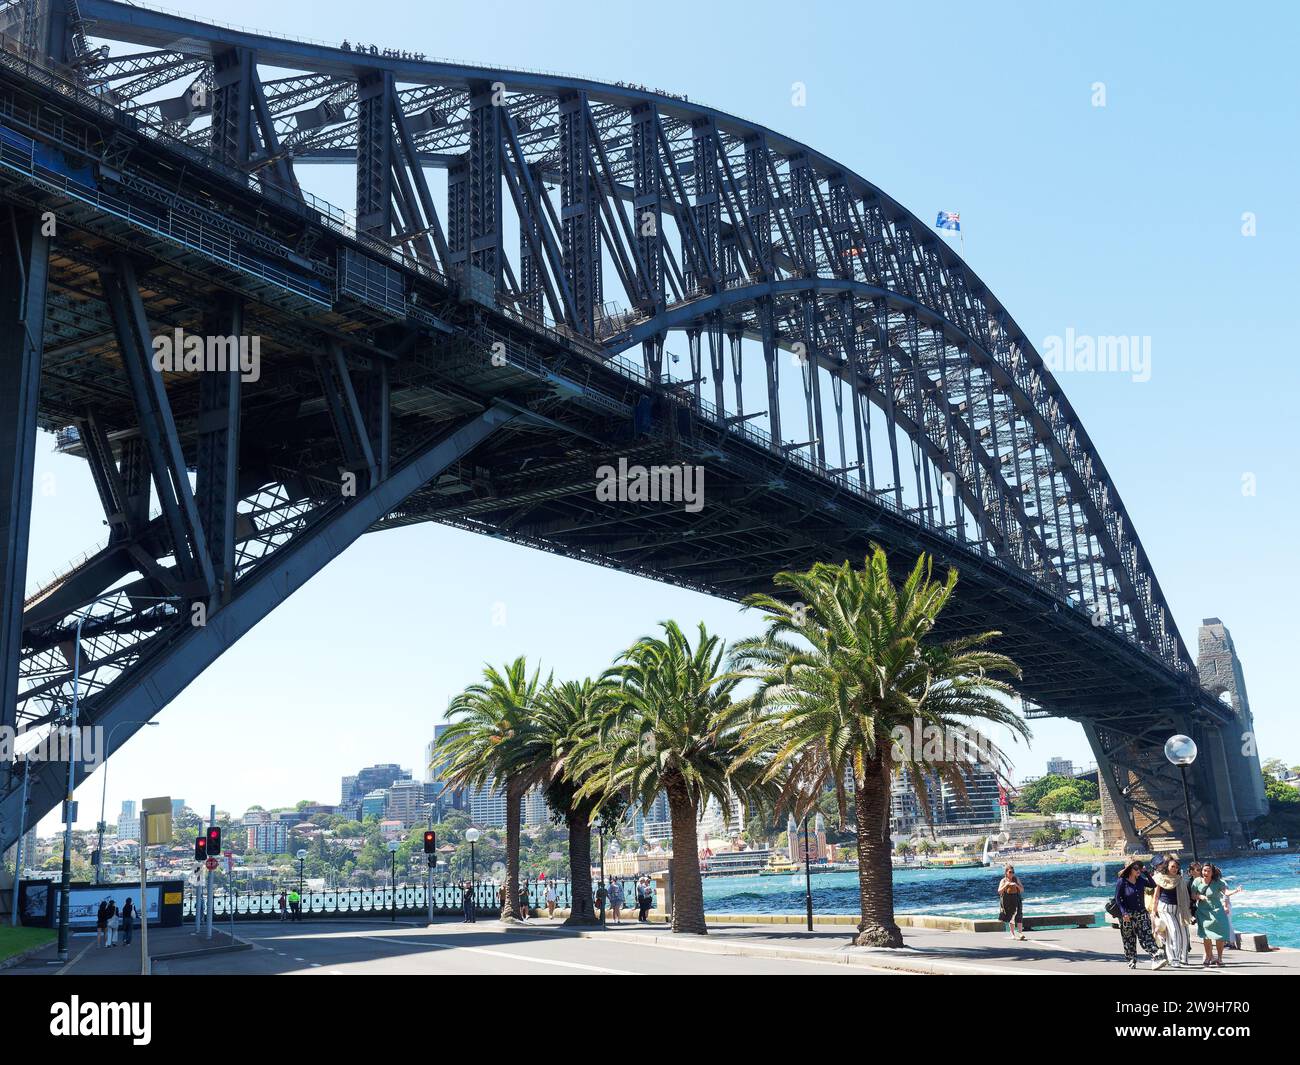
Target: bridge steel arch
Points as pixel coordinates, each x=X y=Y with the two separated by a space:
x=576 y=229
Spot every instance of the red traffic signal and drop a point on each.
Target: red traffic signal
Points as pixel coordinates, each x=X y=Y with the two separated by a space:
x=200 y=848
x=430 y=842
x=214 y=841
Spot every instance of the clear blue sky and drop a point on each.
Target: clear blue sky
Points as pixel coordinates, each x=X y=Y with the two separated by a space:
x=1124 y=219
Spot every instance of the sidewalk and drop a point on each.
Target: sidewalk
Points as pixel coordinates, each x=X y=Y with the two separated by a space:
x=1055 y=952
x=85 y=958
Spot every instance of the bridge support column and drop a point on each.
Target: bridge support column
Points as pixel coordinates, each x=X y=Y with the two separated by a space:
x=24 y=258
x=193 y=648
x=1117 y=828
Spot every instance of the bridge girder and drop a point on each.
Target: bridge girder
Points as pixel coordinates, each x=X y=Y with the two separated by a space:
x=701 y=225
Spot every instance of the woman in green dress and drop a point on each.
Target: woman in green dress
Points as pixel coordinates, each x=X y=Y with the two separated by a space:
x=1211 y=915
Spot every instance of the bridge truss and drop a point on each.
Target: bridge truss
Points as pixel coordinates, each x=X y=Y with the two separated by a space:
x=493 y=322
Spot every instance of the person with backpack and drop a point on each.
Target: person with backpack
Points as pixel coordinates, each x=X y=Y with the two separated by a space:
x=128 y=920
x=112 y=917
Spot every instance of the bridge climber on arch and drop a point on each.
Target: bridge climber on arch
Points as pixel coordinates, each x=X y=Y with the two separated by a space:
x=542 y=274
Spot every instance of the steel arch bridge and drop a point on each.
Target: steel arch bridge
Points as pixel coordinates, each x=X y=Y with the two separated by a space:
x=493 y=324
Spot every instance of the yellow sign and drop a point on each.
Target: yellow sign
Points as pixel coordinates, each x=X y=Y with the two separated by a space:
x=156 y=821
x=171 y=898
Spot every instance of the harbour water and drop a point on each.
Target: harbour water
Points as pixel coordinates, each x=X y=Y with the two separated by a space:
x=1270 y=901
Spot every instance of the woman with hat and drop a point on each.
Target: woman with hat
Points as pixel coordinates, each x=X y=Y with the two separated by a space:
x=1129 y=907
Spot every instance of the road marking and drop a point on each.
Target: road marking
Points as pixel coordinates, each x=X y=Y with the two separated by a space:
x=73 y=961
x=1052 y=943
x=504 y=954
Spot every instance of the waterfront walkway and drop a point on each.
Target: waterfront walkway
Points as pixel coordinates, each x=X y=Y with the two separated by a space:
x=541 y=946
x=1050 y=952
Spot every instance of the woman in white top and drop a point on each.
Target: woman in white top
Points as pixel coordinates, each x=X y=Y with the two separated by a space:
x=550 y=898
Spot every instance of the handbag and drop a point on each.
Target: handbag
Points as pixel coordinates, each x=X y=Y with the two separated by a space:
x=1112 y=908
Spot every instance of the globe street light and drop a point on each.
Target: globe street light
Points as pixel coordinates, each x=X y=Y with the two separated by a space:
x=471 y=834
x=1181 y=751
x=392 y=873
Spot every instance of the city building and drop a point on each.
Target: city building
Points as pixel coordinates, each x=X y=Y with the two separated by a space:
x=536 y=809
x=268 y=837
x=715 y=823
x=178 y=808
x=1060 y=767
x=255 y=817
x=128 y=821
x=408 y=802
x=979 y=804
x=487 y=805
x=906 y=814
x=357 y=788
x=374 y=804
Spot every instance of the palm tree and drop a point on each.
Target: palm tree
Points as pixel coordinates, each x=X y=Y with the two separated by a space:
x=848 y=671
x=566 y=714
x=673 y=728
x=495 y=739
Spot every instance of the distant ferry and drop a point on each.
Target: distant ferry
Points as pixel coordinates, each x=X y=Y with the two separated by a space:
x=782 y=866
x=736 y=863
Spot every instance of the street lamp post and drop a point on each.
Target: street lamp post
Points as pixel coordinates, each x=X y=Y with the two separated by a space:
x=103 y=794
x=69 y=810
x=69 y=815
x=471 y=834
x=1181 y=751
x=600 y=828
x=392 y=875
x=807 y=874
x=302 y=860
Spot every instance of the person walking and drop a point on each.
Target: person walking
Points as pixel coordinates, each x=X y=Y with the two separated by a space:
x=1211 y=914
x=551 y=899
x=101 y=922
x=1227 y=913
x=284 y=906
x=128 y=920
x=616 y=899
x=1011 y=895
x=1193 y=874
x=1171 y=908
x=1134 y=921
x=601 y=896
x=295 y=904
x=112 y=922
x=642 y=899
x=523 y=901
x=467 y=901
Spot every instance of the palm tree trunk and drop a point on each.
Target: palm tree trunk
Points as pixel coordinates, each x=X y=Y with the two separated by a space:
x=875 y=866
x=581 y=909
x=688 y=887
x=510 y=890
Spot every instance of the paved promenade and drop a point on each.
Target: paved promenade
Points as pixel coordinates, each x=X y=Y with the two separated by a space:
x=408 y=946
x=1050 y=952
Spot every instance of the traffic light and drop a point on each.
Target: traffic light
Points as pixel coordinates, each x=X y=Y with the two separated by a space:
x=200 y=848
x=214 y=841
x=430 y=842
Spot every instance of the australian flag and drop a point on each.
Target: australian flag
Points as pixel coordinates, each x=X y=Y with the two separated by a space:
x=948 y=220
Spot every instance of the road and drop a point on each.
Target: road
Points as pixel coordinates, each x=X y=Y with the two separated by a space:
x=452 y=948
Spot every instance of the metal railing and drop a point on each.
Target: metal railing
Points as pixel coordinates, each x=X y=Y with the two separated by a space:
x=412 y=899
